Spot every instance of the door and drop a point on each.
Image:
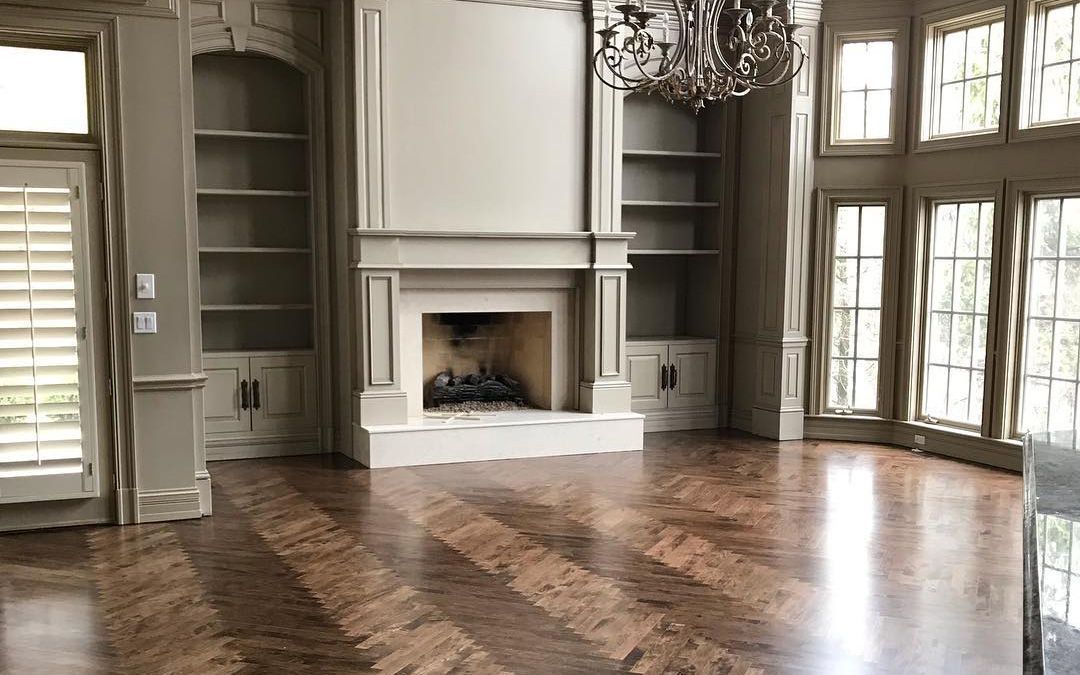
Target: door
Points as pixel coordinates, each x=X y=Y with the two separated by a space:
x=283 y=393
x=54 y=409
x=692 y=375
x=227 y=397
x=647 y=367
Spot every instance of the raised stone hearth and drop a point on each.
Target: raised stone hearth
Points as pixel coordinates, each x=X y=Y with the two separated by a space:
x=546 y=311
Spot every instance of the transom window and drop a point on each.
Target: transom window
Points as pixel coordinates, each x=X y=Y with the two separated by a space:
x=858 y=245
x=961 y=244
x=866 y=90
x=1056 y=94
x=967 y=64
x=43 y=90
x=1052 y=332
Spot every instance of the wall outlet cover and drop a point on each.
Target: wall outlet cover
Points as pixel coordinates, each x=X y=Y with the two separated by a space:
x=920 y=439
x=144 y=286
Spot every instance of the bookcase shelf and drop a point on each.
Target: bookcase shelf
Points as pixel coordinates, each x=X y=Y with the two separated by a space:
x=241 y=134
x=673 y=154
x=672 y=251
x=669 y=204
x=232 y=250
x=249 y=192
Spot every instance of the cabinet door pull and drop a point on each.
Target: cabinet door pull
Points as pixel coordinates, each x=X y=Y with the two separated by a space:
x=674 y=377
x=256 y=400
x=244 y=395
x=663 y=377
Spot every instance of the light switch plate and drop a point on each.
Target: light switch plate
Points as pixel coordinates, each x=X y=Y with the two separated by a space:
x=144 y=286
x=145 y=322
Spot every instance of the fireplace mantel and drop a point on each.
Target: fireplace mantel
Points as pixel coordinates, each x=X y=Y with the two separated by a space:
x=374 y=249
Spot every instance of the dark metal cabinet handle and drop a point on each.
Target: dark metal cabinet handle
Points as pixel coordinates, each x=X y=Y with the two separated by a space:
x=256 y=400
x=243 y=395
x=663 y=378
x=674 y=377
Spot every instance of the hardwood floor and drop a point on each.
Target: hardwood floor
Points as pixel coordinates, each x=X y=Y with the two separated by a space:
x=707 y=553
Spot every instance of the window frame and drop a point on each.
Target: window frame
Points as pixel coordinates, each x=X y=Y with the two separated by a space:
x=828 y=200
x=1022 y=124
x=923 y=201
x=1022 y=195
x=837 y=34
x=48 y=139
x=933 y=27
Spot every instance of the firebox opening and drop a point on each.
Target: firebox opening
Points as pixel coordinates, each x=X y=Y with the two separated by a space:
x=487 y=361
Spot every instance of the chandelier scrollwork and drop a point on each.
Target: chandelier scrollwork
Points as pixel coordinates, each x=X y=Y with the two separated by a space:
x=721 y=49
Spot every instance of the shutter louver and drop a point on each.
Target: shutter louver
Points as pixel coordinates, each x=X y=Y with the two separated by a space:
x=40 y=429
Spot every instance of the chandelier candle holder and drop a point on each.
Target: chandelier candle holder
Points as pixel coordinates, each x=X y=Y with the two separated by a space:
x=722 y=49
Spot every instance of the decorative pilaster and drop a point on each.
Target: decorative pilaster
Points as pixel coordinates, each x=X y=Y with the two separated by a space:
x=379 y=398
x=787 y=176
x=605 y=385
x=605 y=139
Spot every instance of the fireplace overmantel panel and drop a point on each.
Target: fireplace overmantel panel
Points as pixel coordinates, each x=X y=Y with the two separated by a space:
x=442 y=249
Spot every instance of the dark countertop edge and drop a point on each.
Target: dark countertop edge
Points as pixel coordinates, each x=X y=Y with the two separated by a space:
x=1033 y=635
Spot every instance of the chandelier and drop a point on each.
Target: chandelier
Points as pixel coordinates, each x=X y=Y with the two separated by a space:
x=722 y=49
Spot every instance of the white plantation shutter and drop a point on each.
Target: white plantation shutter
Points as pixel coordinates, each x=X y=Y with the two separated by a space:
x=44 y=447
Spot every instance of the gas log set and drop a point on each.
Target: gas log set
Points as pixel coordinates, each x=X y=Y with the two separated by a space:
x=450 y=389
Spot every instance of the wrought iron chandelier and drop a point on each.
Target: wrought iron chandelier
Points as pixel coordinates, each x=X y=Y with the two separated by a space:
x=722 y=49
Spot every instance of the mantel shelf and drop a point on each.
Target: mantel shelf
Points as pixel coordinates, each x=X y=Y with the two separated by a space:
x=250 y=135
x=252 y=249
x=672 y=251
x=230 y=192
x=255 y=308
x=683 y=154
x=662 y=204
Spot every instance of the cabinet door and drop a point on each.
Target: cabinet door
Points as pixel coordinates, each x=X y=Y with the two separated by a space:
x=692 y=376
x=283 y=393
x=644 y=364
x=223 y=407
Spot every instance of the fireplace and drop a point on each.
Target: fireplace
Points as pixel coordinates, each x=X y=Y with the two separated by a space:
x=486 y=361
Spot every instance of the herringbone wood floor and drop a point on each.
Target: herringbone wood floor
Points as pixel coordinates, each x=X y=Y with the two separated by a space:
x=708 y=553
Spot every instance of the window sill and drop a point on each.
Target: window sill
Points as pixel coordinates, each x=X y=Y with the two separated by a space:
x=1046 y=131
x=961 y=141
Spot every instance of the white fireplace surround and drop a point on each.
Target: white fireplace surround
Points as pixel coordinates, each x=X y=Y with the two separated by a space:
x=579 y=278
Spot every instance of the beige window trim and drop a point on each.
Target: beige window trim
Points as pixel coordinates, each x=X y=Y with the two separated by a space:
x=933 y=27
x=836 y=35
x=828 y=201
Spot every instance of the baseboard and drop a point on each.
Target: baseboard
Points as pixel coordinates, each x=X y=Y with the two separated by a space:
x=682 y=420
x=220 y=449
x=169 y=504
x=741 y=419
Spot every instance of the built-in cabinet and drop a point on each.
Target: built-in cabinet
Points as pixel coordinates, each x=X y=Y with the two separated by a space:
x=675 y=194
x=256 y=210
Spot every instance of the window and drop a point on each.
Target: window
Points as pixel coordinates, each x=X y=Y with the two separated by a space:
x=1052 y=92
x=865 y=82
x=46 y=411
x=1052 y=327
x=866 y=92
x=964 y=75
x=954 y=357
x=855 y=321
x=43 y=90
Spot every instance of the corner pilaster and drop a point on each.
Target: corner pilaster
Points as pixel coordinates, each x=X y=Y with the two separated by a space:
x=781 y=363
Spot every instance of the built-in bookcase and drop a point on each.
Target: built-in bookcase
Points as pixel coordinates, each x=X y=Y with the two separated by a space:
x=674 y=198
x=253 y=158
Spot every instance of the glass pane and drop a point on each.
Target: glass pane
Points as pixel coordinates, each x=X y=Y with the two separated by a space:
x=866 y=385
x=847 y=230
x=27 y=104
x=1036 y=404
x=964 y=274
x=975 y=401
x=951 y=111
x=853 y=115
x=1068 y=303
x=993 y=102
x=1043 y=287
x=959 y=390
x=879 y=65
x=1040 y=347
x=1058 y=24
x=986 y=229
x=853 y=66
x=937 y=391
x=840 y=384
x=869 y=334
x=843 y=331
x=940 y=337
x=967 y=230
x=870 y=282
x=873 y=231
x=997 y=43
x=1070 y=227
x=961 y=340
x=845 y=282
x=1062 y=404
x=1074 y=90
x=952 y=57
x=878 y=113
x=978 y=51
x=982 y=293
x=1055 y=93
x=978 y=343
x=942 y=290
x=1066 y=350
x=1047 y=227
x=945 y=216
x=975 y=104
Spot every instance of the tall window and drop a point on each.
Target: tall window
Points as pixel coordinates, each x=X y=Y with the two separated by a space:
x=43 y=90
x=966 y=77
x=961 y=242
x=858 y=245
x=1056 y=90
x=1052 y=335
x=866 y=90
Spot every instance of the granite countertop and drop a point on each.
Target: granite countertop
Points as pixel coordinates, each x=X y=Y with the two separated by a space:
x=1052 y=553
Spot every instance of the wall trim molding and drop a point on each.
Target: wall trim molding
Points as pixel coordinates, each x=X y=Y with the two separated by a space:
x=169 y=382
x=561 y=5
x=168 y=504
x=163 y=9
